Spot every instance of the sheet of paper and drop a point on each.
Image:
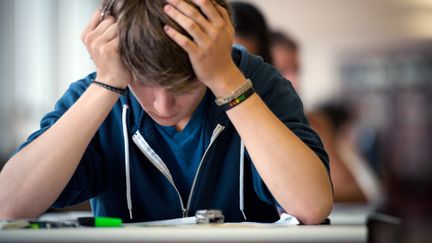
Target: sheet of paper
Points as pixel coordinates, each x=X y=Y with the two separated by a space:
x=168 y=222
x=285 y=220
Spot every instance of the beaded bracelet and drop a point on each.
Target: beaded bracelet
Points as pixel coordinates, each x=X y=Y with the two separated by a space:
x=235 y=94
x=110 y=88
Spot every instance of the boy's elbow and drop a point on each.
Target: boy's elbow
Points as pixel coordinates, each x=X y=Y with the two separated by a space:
x=315 y=217
x=317 y=213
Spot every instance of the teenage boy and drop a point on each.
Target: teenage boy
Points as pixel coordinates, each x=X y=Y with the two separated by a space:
x=174 y=120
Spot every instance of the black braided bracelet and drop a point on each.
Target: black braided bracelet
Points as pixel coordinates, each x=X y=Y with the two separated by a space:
x=110 y=88
x=242 y=97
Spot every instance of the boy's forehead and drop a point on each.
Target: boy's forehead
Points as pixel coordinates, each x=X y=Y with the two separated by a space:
x=173 y=87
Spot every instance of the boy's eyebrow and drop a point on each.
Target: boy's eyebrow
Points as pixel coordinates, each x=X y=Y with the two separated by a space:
x=105 y=9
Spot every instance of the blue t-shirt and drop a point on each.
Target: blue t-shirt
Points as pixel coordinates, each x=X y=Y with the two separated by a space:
x=185 y=149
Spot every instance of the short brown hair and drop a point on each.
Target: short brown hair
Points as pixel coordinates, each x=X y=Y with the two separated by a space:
x=152 y=57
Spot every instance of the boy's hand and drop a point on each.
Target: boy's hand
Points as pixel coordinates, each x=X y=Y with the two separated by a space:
x=102 y=43
x=210 y=49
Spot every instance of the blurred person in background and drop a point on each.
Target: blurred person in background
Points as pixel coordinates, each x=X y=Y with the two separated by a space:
x=285 y=56
x=353 y=178
x=251 y=30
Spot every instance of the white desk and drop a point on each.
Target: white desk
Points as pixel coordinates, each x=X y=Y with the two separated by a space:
x=350 y=214
x=214 y=234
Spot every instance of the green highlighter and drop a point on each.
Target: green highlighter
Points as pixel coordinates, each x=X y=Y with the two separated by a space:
x=100 y=221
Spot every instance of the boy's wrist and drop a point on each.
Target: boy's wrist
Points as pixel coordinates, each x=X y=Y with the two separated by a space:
x=109 y=87
x=114 y=82
x=227 y=83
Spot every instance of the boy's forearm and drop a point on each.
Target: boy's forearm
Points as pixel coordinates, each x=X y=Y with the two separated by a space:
x=292 y=171
x=33 y=179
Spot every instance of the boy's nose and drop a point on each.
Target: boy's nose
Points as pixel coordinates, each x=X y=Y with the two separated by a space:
x=163 y=103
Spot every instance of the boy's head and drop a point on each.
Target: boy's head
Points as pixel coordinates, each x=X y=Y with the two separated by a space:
x=152 y=57
x=285 y=52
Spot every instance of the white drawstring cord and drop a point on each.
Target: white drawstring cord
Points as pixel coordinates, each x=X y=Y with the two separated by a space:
x=241 y=182
x=127 y=164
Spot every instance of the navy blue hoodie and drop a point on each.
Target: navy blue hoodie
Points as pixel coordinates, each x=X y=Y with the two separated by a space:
x=123 y=174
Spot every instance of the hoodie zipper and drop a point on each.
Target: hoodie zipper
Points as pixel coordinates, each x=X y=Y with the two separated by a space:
x=158 y=163
x=161 y=166
x=219 y=128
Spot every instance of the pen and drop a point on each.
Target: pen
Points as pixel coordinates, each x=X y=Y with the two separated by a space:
x=100 y=221
x=42 y=224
